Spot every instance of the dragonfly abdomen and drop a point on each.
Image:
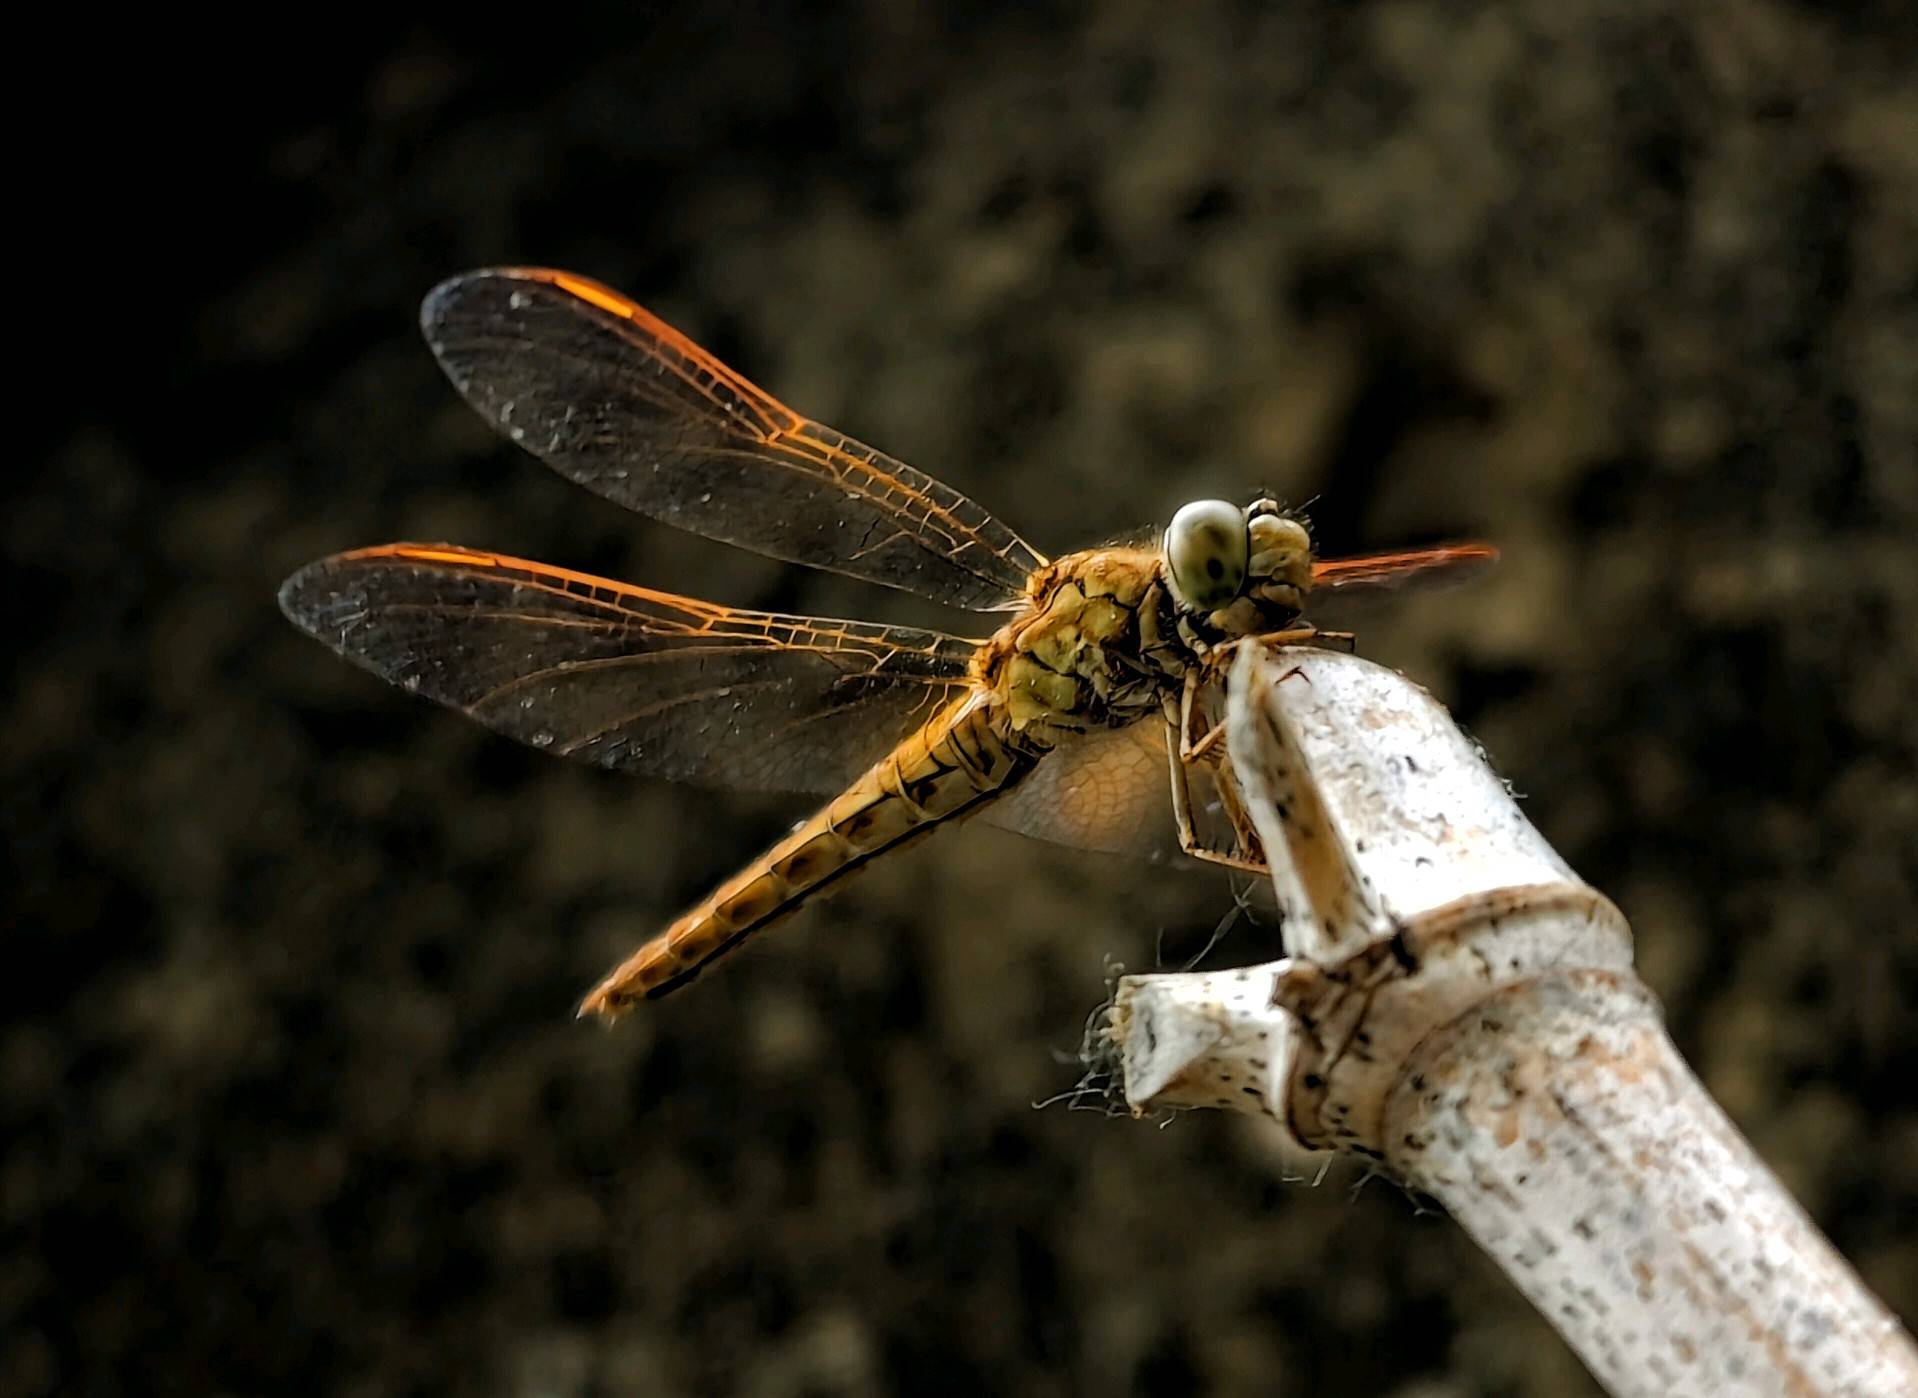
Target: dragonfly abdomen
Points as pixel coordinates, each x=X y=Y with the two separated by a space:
x=961 y=757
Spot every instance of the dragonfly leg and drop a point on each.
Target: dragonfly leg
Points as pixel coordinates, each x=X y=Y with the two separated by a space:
x=1189 y=705
x=1181 y=796
x=1244 y=832
x=1247 y=859
x=1217 y=661
x=1206 y=753
x=1298 y=635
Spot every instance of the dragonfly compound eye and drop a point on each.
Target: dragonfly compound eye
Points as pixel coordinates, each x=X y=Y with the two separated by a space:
x=1205 y=552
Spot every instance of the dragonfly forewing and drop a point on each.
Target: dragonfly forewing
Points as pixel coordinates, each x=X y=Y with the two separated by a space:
x=627 y=677
x=615 y=399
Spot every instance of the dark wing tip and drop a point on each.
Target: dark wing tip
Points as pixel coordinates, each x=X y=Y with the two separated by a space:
x=328 y=597
x=327 y=600
x=459 y=293
x=302 y=598
x=445 y=303
x=458 y=297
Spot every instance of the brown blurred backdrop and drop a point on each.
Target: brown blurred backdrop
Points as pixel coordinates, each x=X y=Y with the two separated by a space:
x=291 y=1098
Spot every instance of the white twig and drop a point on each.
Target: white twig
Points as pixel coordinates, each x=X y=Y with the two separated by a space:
x=1461 y=1008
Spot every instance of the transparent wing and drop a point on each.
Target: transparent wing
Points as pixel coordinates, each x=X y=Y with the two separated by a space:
x=1345 y=591
x=1104 y=790
x=1372 y=570
x=612 y=397
x=627 y=677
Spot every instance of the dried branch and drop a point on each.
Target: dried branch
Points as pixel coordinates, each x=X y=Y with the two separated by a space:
x=1461 y=1009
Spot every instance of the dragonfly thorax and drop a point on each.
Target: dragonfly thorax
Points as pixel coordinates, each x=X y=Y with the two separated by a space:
x=1108 y=634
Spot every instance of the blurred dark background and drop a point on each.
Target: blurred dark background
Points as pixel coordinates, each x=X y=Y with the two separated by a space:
x=291 y=1095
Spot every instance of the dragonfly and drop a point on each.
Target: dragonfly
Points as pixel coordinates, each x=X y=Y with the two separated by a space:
x=1093 y=706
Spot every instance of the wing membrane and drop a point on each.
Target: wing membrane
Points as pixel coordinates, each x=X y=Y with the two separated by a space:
x=1398 y=568
x=615 y=399
x=1103 y=790
x=624 y=676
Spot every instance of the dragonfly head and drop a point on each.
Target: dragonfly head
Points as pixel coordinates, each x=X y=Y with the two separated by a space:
x=1243 y=569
